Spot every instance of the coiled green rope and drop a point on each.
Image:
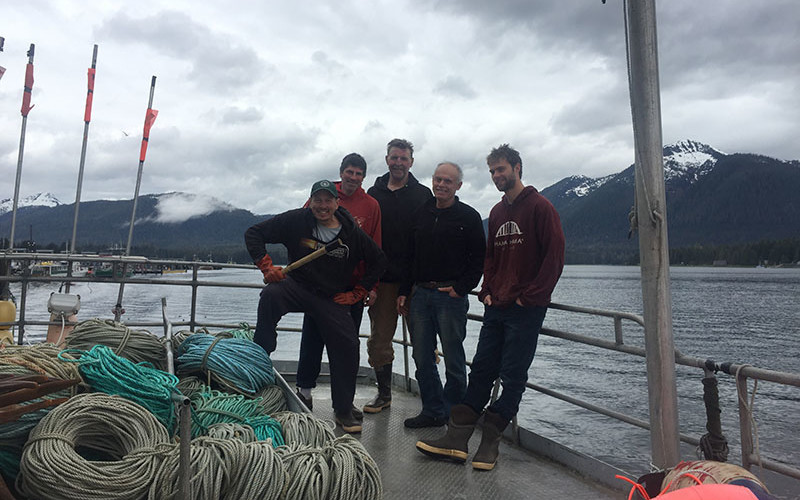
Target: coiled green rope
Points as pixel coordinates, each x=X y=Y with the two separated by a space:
x=238 y=364
x=106 y=372
x=52 y=468
x=214 y=407
x=136 y=345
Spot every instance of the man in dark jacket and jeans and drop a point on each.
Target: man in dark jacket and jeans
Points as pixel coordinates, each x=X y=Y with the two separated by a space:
x=321 y=288
x=446 y=251
x=524 y=259
x=399 y=194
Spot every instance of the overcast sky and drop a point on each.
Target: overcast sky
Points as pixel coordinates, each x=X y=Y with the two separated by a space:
x=257 y=100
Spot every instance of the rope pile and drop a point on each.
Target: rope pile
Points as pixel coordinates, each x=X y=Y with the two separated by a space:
x=304 y=429
x=38 y=359
x=191 y=385
x=106 y=372
x=226 y=430
x=224 y=469
x=237 y=364
x=214 y=407
x=342 y=469
x=135 y=345
x=52 y=468
x=271 y=399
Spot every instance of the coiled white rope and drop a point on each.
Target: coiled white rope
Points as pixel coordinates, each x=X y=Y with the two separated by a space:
x=341 y=469
x=304 y=429
x=308 y=472
x=135 y=345
x=272 y=399
x=223 y=469
x=227 y=430
x=52 y=468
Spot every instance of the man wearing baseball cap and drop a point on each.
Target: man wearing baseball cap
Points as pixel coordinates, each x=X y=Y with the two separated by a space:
x=321 y=288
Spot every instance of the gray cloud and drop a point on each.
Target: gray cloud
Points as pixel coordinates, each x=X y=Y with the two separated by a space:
x=215 y=61
x=234 y=115
x=455 y=86
x=257 y=102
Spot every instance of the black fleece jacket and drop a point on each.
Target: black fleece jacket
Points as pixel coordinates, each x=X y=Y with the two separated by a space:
x=397 y=208
x=331 y=273
x=446 y=244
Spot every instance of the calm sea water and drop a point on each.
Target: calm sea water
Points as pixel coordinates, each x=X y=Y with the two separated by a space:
x=726 y=314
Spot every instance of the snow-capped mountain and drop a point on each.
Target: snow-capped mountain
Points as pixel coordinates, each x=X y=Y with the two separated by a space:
x=36 y=200
x=685 y=162
x=689 y=160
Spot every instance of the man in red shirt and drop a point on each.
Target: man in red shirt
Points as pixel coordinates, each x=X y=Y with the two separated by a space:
x=524 y=259
x=367 y=214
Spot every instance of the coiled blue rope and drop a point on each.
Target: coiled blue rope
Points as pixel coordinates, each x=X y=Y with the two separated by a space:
x=106 y=372
x=236 y=363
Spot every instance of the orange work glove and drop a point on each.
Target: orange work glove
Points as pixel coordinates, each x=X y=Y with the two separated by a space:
x=354 y=296
x=271 y=273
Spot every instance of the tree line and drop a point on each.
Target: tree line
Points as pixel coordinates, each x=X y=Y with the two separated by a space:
x=766 y=252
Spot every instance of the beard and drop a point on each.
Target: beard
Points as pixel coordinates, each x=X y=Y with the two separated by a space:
x=505 y=183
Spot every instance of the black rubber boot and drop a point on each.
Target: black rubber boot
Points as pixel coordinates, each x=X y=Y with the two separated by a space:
x=350 y=424
x=488 y=450
x=453 y=445
x=384 y=397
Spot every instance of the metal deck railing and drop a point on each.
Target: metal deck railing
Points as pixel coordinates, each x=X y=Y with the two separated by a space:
x=615 y=341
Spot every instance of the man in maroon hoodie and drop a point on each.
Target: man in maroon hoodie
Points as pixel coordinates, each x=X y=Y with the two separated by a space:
x=524 y=259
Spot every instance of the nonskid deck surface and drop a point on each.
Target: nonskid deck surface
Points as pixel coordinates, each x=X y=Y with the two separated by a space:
x=407 y=473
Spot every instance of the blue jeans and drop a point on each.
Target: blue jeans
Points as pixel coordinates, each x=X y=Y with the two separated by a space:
x=432 y=312
x=506 y=347
x=312 y=344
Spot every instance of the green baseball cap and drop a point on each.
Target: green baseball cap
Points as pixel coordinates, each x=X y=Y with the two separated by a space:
x=324 y=185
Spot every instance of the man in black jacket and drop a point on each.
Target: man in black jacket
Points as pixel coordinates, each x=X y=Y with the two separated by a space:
x=399 y=194
x=446 y=251
x=320 y=287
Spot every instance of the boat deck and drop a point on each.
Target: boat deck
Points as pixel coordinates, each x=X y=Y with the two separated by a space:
x=407 y=473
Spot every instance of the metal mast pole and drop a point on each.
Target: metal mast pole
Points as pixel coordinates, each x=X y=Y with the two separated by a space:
x=651 y=212
x=26 y=108
x=149 y=118
x=87 y=117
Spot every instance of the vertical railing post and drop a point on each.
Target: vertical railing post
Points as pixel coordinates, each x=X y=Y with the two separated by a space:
x=23 y=297
x=193 y=317
x=405 y=353
x=618 y=330
x=744 y=421
x=185 y=450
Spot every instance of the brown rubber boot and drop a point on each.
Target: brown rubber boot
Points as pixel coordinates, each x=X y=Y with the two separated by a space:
x=488 y=450
x=453 y=445
x=384 y=397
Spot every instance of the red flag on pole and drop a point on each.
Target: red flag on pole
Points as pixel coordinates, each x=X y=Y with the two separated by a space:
x=149 y=119
x=26 y=96
x=87 y=115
